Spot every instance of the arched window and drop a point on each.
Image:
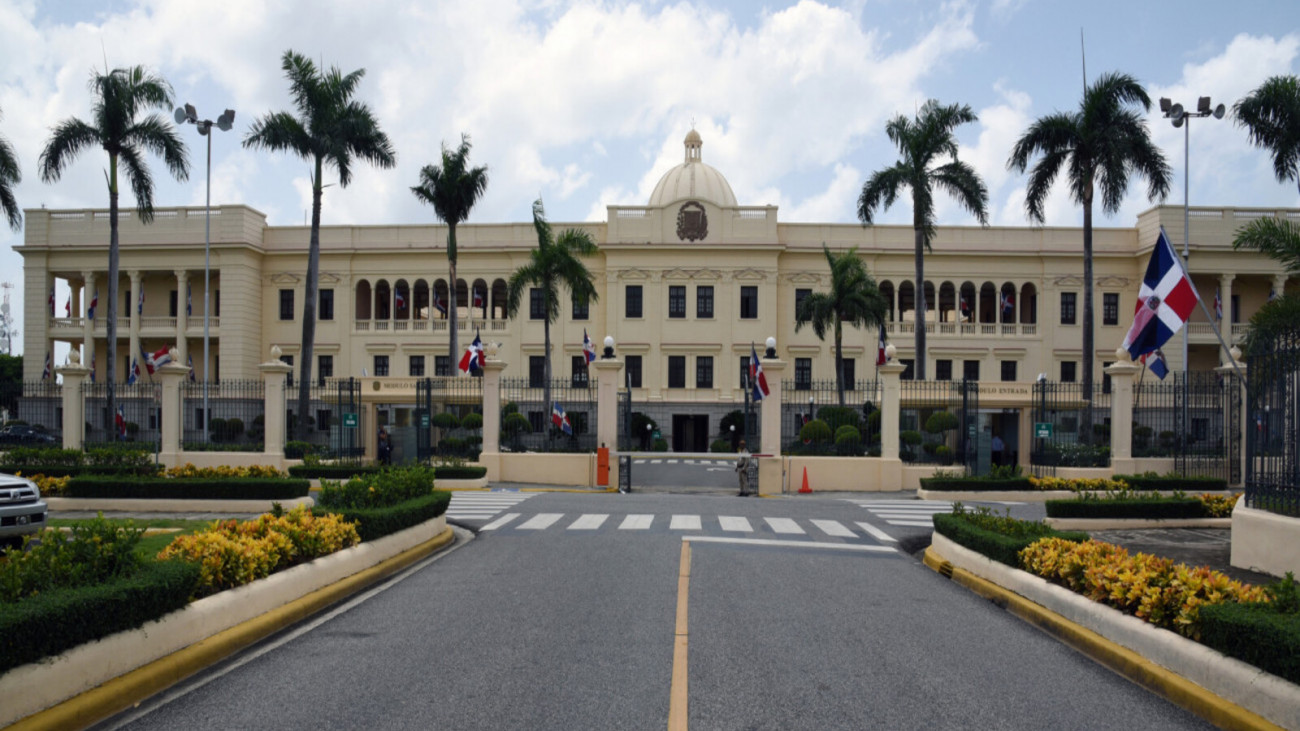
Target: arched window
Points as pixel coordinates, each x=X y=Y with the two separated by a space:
x=988 y=307
x=1007 y=304
x=383 y=300
x=440 y=300
x=420 y=300
x=947 y=302
x=906 y=302
x=498 y=299
x=462 y=296
x=363 y=300
x=478 y=299
x=968 y=305
x=1028 y=304
x=930 y=314
x=401 y=300
x=887 y=291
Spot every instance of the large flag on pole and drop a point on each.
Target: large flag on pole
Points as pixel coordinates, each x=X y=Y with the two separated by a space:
x=757 y=381
x=133 y=375
x=1165 y=301
x=880 y=348
x=49 y=366
x=561 y=419
x=472 y=360
x=1155 y=362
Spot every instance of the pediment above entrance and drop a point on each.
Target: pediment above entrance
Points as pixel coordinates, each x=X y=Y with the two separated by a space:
x=285 y=278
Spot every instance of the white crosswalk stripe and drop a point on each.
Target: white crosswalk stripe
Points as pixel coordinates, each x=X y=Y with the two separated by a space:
x=734 y=523
x=784 y=526
x=685 y=522
x=876 y=533
x=503 y=520
x=589 y=521
x=541 y=521
x=482 y=505
x=904 y=513
x=636 y=522
x=833 y=528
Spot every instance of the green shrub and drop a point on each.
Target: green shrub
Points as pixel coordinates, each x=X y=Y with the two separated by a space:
x=1162 y=508
x=1152 y=481
x=458 y=472
x=1254 y=633
x=940 y=422
x=96 y=551
x=516 y=423
x=721 y=446
x=332 y=471
x=848 y=434
x=472 y=421
x=815 y=432
x=184 y=488
x=735 y=418
x=959 y=482
x=660 y=445
x=55 y=621
x=999 y=537
x=125 y=459
x=839 y=416
x=445 y=420
x=295 y=449
x=910 y=437
x=378 y=489
x=377 y=522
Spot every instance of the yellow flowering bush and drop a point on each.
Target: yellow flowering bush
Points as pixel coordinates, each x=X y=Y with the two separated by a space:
x=1151 y=588
x=48 y=485
x=223 y=471
x=1078 y=484
x=1218 y=506
x=232 y=553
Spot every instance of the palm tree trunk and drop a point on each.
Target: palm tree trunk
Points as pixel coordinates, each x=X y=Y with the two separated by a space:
x=1088 y=346
x=309 y=308
x=839 y=361
x=919 y=368
x=110 y=375
x=452 y=354
x=546 y=368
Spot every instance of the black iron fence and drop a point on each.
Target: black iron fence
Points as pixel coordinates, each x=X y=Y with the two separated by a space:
x=1273 y=425
x=35 y=410
x=334 y=423
x=236 y=415
x=814 y=422
x=137 y=421
x=1069 y=429
x=528 y=422
x=1193 y=418
x=449 y=418
x=938 y=422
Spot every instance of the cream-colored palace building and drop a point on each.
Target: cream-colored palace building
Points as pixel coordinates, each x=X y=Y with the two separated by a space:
x=686 y=283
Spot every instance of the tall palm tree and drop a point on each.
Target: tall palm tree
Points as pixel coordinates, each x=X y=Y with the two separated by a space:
x=1100 y=145
x=331 y=128
x=452 y=189
x=922 y=142
x=1271 y=115
x=120 y=97
x=555 y=261
x=10 y=176
x=853 y=299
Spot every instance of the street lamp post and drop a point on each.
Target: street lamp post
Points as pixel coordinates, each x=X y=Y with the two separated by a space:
x=188 y=115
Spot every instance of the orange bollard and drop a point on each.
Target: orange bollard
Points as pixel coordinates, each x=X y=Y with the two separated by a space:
x=805 y=488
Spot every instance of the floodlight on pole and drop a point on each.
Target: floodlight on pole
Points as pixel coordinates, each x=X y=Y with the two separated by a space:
x=189 y=115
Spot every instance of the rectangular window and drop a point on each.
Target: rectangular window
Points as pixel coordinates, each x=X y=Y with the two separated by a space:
x=381 y=365
x=1068 y=371
x=323 y=418
x=216 y=303
x=324 y=368
x=704 y=371
x=748 y=303
x=198 y=419
x=1110 y=308
x=802 y=374
x=633 y=365
x=538 y=421
x=536 y=304
x=676 y=301
x=579 y=370
x=578 y=420
x=744 y=371
x=1008 y=370
x=850 y=373
x=943 y=370
x=286 y=304
x=633 y=301
x=581 y=310
x=677 y=371
x=416 y=365
x=1068 y=302
x=704 y=302
x=1105 y=377
x=970 y=370
x=799 y=296
x=129 y=304
x=442 y=365
x=909 y=369
x=536 y=371
x=288 y=360
x=326 y=305
x=1236 y=309
x=171 y=304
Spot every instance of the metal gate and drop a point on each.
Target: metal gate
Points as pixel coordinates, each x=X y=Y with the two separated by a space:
x=345 y=441
x=424 y=419
x=1273 y=425
x=968 y=394
x=1207 y=420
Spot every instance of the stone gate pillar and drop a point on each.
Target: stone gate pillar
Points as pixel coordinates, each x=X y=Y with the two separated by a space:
x=172 y=420
x=1122 y=372
x=891 y=467
x=273 y=377
x=490 y=456
x=74 y=403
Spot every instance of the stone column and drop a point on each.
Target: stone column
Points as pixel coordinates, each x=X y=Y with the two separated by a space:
x=1122 y=373
x=182 y=319
x=273 y=375
x=88 y=325
x=607 y=371
x=172 y=420
x=74 y=405
x=891 y=467
x=770 y=425
x=1279 y=284
x=490 y=457
x=137 y=286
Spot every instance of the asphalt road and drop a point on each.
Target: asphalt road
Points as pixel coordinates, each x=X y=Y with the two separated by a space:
x=557 y=619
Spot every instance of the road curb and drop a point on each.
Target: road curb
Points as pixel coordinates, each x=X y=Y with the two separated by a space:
x=132 y=687
x=1172 y=686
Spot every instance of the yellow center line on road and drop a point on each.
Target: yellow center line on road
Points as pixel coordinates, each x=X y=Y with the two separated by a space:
x=677 y=697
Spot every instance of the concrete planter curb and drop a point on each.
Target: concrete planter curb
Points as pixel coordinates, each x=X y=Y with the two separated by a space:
x=168 y=505
x=1087 y=524
x=1019 y=496
x=97 y=679
x=1224 y=690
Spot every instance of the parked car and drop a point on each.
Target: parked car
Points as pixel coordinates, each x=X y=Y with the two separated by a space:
x=22 y=511
x=26 y=435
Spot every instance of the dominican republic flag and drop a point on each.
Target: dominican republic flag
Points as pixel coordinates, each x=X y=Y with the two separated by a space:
x=148 y=360
x=133 y=375
x=1008 y=305
x=757 y=381
x=92 y=367
x=119 y=419
x=880 y=348
x=478 y=298
x=49 y=366
x=1155 y=360
x=90 y=311
x=139 y=307
x=67 y=307
x=1218 y=305
x=191 y=365
x=161 y=357
x=1165 y=301
x=472 y=360
x=439 y=304
x=588 y=349
x=561 y=419
x=399 y=300
x=51 y=301
x=965 y=307
x=1259 y=421
x=189 y=304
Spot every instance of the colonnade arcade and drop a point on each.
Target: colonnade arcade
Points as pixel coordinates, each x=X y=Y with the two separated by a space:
x=987 y=303
x=420 y=299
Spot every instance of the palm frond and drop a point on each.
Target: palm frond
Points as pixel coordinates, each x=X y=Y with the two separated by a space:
x=140 y=179
x=1271 y=116
x=880 y=191
x=961 y=182
x=1276 y=238
x=10 y=176
x=68 y=138
x=159 y=137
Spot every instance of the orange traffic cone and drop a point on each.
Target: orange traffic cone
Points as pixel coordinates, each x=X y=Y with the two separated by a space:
x=805 y=488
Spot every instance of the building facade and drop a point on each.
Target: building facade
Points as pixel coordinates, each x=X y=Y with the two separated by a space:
x=687 y=284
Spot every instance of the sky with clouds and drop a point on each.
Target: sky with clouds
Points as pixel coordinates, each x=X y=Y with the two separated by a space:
x=586 y=103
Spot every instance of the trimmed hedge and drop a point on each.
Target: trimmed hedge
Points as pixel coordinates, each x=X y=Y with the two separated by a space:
x=57 y=471
x=1186 y=484
x=997 y=546
x=56 y=621
x=373 y=523
x=1255 y=634
x=975 y=483
x=247 y=488
x=332 y=471
x=1150 y=508
x=466 y=472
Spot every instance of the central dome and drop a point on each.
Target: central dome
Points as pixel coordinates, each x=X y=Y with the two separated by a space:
x=693 y=180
